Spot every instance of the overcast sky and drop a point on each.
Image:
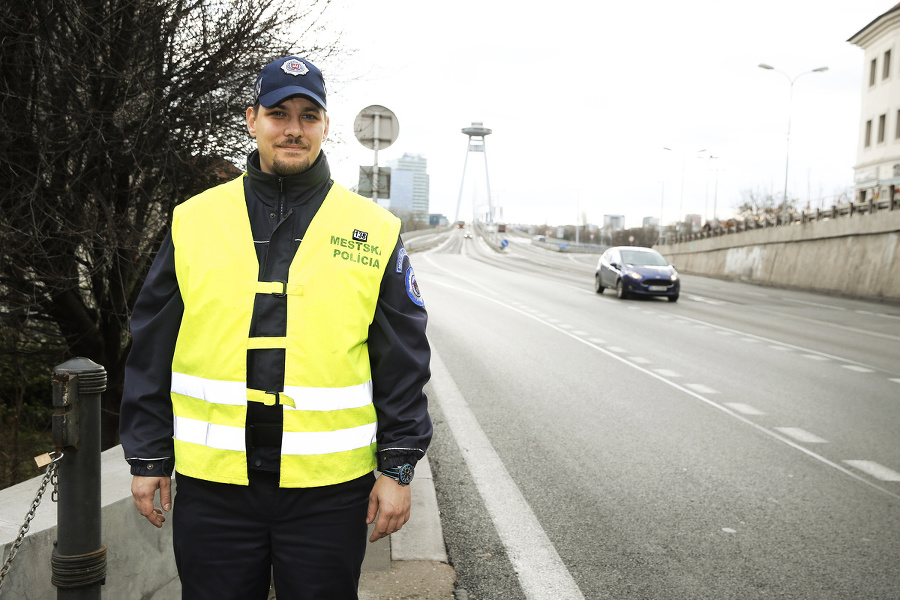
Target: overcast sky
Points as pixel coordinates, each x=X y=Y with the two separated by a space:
x=582 y=97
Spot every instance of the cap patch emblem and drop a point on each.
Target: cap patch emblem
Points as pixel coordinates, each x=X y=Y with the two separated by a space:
x=360 y=236
x=294 y=67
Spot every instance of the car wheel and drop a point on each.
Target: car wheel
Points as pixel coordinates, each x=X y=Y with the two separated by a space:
x=620 y=290
x=598 y=286
x=673 y=298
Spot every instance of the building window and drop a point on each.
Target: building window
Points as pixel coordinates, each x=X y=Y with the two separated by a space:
x=881 y=121
x=868 y=133
x=872 y=70
x=886 y=67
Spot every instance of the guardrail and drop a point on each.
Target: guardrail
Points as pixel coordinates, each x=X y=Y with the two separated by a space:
x=737 y=226
x=416 y=241
x=560 y=245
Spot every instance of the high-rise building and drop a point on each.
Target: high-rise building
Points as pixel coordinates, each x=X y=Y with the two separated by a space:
x=614 y=222
x=410 y=184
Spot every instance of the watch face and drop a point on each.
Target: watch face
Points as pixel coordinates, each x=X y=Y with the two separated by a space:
x=406 y=474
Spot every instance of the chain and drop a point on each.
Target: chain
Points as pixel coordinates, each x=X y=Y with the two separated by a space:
x=50 y=476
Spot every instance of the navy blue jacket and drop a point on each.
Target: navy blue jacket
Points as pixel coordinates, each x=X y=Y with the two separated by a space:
x=280 y=210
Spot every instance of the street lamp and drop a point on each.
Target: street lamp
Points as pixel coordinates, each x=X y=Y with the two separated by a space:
x=681 y=201
x=708 y=156
x=787 y=159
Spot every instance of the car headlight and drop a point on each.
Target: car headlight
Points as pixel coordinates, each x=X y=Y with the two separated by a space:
x=634 y=275
x=674 y=276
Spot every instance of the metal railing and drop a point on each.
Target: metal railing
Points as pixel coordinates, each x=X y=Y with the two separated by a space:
x=740 y=225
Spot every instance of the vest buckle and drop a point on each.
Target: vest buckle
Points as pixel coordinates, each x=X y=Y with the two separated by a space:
x=277 y=397
x=283 y=291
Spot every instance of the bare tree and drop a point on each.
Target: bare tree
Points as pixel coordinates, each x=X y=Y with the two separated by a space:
x=757 y=204
x=113 y=111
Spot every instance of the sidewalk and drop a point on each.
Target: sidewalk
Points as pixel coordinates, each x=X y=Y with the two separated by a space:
x=412 y=563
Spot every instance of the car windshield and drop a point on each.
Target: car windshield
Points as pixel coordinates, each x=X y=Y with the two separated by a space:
x=651 y=259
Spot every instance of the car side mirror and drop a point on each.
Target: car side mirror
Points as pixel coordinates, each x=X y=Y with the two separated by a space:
x=614 y=265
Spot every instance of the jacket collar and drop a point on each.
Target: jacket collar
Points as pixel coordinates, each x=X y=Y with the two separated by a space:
x=295 y=189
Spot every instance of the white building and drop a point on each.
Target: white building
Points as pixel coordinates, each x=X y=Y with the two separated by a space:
x=877 y=169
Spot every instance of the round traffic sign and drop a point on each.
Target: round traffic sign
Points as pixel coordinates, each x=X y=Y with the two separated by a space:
x=364 y=127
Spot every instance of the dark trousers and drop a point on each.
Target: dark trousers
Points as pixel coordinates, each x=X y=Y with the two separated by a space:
x=230 y=539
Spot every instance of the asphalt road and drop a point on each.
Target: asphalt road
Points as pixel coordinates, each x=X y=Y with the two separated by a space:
x=740 y=443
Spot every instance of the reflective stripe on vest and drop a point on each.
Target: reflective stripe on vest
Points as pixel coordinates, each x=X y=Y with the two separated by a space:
x=302 y=398
x=312 y=443
x=332 y=290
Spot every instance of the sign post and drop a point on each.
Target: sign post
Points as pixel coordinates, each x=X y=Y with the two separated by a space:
x=376 y=128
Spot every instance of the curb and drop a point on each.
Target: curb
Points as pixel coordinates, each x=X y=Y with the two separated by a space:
x=411 y=563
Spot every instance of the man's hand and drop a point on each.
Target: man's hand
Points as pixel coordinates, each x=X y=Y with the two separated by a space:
x=143 y=489
x=391 y=502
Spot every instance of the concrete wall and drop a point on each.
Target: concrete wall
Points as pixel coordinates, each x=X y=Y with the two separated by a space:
x=855 y=256
x=140 y=564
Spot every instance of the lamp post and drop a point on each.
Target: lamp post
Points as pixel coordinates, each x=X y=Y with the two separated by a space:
x=708 y=156
x=787 y=159
x=680 y=222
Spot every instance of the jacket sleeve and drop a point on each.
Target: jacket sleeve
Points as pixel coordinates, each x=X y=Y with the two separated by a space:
x=400 y=357
x=146 y=423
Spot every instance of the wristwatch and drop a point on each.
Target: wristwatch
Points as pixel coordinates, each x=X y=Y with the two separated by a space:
x=402 y=475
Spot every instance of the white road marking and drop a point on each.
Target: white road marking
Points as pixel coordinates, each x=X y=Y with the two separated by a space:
x=639 y=360
x=832 y=307
x=779 y=348
x=874 y=314
x=815 y=357
x=894 y=380
x=801 y=435
x=535 y=561
x=666 y=373
x=706 y=300
x=700 y=388
x=874 y=469
x=663 y=379
x=579 y=332
x=744 y=409
x=858 y=368
x=617 y=349
x=750 y=340
x=749 y=337
x=596 y=341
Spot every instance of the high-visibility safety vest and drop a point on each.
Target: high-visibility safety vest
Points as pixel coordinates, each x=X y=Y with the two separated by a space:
x=332 y=289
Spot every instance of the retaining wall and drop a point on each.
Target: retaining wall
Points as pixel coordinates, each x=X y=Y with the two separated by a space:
x=856 y=256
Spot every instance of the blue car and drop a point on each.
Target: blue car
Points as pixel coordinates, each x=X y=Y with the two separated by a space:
x=637 y=271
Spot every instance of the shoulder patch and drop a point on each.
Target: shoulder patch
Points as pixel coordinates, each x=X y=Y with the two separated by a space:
x=401 y=254
x=412 y=288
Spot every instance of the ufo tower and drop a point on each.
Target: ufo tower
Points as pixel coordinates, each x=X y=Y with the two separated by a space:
x=477 y=132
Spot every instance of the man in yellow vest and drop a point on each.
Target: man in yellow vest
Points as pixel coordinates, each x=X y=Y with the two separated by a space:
x=278 y=359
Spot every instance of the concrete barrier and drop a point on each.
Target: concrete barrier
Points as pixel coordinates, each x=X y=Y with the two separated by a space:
x=139 y=557
x=857 y=256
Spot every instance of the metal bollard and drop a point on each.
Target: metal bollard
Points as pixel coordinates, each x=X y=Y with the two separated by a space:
x=78 y=564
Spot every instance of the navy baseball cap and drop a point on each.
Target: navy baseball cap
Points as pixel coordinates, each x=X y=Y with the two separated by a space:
x=287 y=77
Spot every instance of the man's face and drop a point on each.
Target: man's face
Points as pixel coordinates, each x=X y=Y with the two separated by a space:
x=289 y=135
